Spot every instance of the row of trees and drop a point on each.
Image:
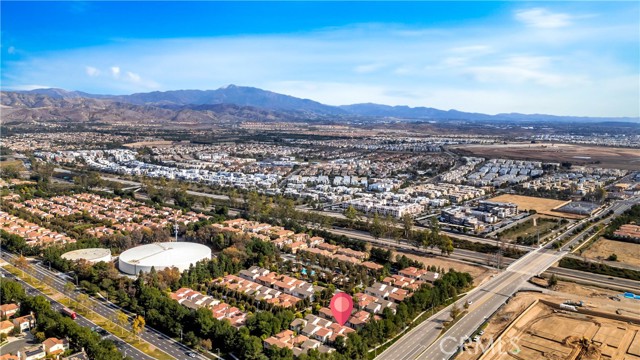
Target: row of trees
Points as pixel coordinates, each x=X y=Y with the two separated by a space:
x=630 y=216
x=50 y=323
x=385 y=258
x=599 y=268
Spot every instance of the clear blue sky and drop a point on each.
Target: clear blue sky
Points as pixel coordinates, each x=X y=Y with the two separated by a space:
x=574 y=58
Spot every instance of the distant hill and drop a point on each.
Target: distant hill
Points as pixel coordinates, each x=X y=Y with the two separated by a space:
x=377 y=110
x=279 y=106
x=232 y=94
x=62 y=106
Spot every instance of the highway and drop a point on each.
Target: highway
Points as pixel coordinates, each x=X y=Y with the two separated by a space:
x=125 y=348
x=596 y=279
x=423 y=342
x=108 y=310
x=405 y=246
x=356 y=233
x=131 y=183
x=618 y=208
x=485 y=300
x=190 y=192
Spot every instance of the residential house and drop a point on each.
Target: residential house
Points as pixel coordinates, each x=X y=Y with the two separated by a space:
x=6 y=327
x=55 y=347
x=8 y=310
x=24 y=323
x=32 y=353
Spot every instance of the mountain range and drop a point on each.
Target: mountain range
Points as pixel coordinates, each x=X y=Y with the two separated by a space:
x=228 y=103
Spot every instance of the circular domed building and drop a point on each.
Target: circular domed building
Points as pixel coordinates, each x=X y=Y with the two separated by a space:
x=162 y=255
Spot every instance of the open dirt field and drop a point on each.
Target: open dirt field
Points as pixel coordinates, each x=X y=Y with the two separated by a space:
x=545 y=333
x=540 y=205
x=158 y=143
x=627 y=253
x=619 y=158
x=17 y=163
x=478 y=273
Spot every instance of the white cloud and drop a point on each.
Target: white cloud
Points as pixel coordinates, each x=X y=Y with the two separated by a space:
x=543 y=18
x=133 y=77
x=523 y=69
x=472 y=49
x=29 y=87
x=368 y=68
x=11 y=50
x=469 y=69
x=91 y=71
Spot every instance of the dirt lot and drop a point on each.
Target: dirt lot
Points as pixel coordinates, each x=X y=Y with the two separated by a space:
x=157 y=143
x=540 y=205
x=619 y=158
x=17 y=163
x=543 y=333
x=627 y=253
x=478 y=273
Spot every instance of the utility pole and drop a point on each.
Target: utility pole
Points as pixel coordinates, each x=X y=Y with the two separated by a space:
x=175 y=228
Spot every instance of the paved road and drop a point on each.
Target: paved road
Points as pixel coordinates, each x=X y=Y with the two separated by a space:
x=354 y=233
x=618 y=208
x=126 y=349
x=485 y=300
x=405 y=246
x=27 y=340
x=131 y=183
x=162 y=342
x=596 y=279
x=615 y=264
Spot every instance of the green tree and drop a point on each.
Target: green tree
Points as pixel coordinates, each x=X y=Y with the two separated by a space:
x=121 y=319
x=387 y=226
x=11 y=291
x=10 y=171
x=377 y=228
x=407 y=225
x=42 y=171
x=83 y=299
x=445 y=245
x=68 y=288
x=351 y=214
x=455 y=311
x=600 y=194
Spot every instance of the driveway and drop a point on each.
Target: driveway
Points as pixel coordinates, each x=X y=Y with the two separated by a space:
x=18 y=344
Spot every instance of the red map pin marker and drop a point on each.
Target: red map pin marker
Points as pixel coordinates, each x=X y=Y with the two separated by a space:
x=341 y=306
